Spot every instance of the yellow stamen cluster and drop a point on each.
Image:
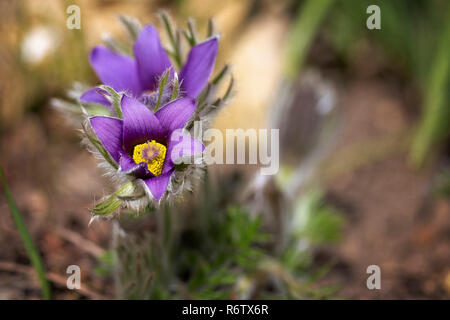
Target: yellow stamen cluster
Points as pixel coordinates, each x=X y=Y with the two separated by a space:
x=152 y=153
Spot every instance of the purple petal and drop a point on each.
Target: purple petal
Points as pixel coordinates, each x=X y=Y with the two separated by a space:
x=139 y=124
x=182 y=144
x=175 y=114
x=94 y=96
x=109 y=131
x=128 y=166
x=116 y=70
x=152 y=60
x=198 y=67
x=158 y=185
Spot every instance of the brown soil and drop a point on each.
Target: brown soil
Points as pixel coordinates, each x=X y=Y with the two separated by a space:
x=393 y=219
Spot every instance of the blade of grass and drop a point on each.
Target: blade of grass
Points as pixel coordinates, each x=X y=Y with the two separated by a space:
x=32 y=251
x=302 y=33
x=434 y=123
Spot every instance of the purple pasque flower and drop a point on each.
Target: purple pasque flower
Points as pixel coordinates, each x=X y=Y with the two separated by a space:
x=147 y=145
x=139 y=75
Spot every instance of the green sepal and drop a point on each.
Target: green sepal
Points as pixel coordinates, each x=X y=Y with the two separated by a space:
x=175 y=87
x=181 y=166
x=127 y=192
x=162 y=85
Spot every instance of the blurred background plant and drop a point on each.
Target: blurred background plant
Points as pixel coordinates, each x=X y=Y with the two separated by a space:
x=363 y=118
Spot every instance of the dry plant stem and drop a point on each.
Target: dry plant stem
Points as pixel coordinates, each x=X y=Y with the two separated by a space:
x=81 y=242
x=53 y=277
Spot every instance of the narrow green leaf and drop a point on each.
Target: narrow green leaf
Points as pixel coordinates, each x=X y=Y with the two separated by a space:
x=188 y=38
x=222 y=73
x=114 y=97
x=132 y=25
x=175 y=44
x=226 y=96
x=116 y=46
x=99 y=146
x=32 y=251
x=211 y=27
x=192 y=32
x=229 y=89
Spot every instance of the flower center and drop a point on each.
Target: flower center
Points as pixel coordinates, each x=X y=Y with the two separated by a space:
x=152 y=153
